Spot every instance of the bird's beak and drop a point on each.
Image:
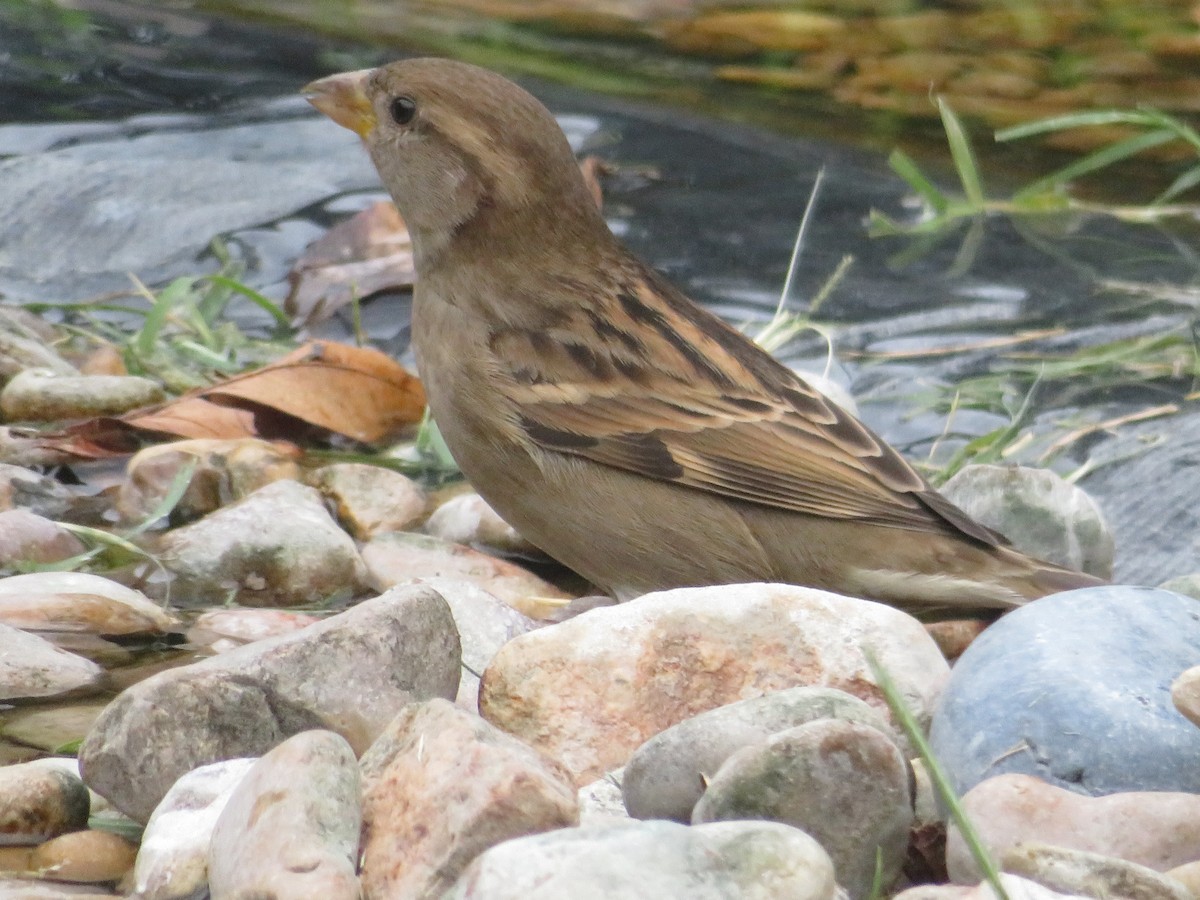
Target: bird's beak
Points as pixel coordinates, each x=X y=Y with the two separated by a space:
x=343 y=98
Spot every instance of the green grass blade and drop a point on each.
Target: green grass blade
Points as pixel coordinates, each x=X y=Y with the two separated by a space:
x=160 y=309
x=1100 y=159
x=1180 y=128
x=1078 y=120
x=179 y=485
x=962 y=154
x=903 y=165
x=103 y=539
x=1185 y=182
x=282 y=319
x=937 y=775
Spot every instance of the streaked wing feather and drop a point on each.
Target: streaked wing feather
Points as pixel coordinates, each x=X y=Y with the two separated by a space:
x=668 y=391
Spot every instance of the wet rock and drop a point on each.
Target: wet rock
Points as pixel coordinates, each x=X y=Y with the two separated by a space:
x=290 y=827
x=466 y=785
x=1159 y=830
x=85 y=215
x=51 y=728
x=27 y=342
x=26 y=537
x=652 y=861
x=665 y=777
x=42 y=395
x=21 y=488
x=225 y=629
x=1040 y=512
x=679 y=653
x=1185 y=694
x=33 y=668
x=225 y=471
x=1074 y=689
x=85 y=856
x=79 y=602
x=401 y=557
x=601 y=801
x=38 y=803
x=485 y=624
x=277 y=547
x=370 y=499
x=350 y=673
x=842 y=783
x=468 y=519
x=172 y=862
x=1090 y=874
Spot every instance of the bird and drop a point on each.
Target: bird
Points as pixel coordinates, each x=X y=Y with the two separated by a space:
x=632 y=435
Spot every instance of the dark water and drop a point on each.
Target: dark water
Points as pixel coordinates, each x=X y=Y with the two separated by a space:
x=178 y=127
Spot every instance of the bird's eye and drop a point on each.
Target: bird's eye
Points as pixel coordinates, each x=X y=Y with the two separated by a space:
x=403 y=109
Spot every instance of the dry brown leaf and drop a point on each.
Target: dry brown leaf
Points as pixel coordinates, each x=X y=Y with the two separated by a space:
x=355 y=391
x=195 y=417
x=369 y=252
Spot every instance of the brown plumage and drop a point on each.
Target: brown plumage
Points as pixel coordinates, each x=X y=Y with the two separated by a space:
x=626 y=431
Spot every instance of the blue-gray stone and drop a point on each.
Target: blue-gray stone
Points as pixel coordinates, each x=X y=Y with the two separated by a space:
x=1075 y=689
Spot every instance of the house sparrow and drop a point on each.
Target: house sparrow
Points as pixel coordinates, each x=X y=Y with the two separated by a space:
x=630 y=434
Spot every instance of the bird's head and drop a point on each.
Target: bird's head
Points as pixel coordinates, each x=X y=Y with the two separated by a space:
x=452 y=141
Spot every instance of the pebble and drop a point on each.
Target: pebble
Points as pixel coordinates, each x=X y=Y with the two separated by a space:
x=350 y=673
x=1090 y=874
x=466 y=786
x=22 y=488
x=653 y=861
x=1185 y=694
x=290 y=829
x=33 y=668
x=1188 y=875
x=589 y=691
x=665 y=777
x=371 y=499
x=27 y=342
x=1015 y=888
x=1075 y=690
x=225 y=629
x=43 y=395
x=1188 y=585
x=38 y=803
x=1039 y=511
x=1158 y=830
x=485 y=623
x=276 y=547
x=79 y=602
x=26 y=537
x=225 y=471
x=401 y=557
x=954 y=636
x=843 y=783
x=172 y=862
x=468 y=519
x=85 y=856
x=600 y=801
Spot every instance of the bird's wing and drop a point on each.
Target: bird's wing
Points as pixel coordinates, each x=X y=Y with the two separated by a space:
x=643 y=380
